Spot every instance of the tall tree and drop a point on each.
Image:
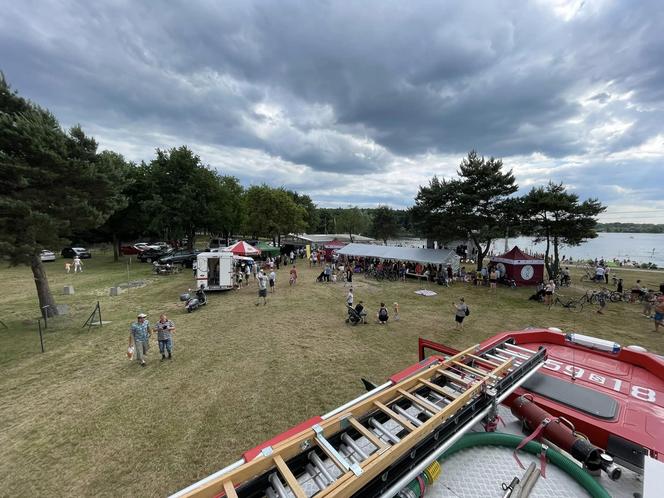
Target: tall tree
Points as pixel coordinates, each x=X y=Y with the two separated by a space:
x=353 y=220
x=556 y=216
x=52 y=182
x=128 y=221
x=311 y=214
x=475 y=205
x=184 y=195
x=273 y=212
x=384 y=224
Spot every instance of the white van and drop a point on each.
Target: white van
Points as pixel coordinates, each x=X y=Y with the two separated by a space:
x=215 y=270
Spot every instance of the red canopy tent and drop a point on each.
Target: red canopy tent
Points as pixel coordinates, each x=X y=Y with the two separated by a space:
x=523 y=268
x=331 y=246
x=241 y=248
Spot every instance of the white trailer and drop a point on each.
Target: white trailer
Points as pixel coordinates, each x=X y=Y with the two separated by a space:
x=215 y=270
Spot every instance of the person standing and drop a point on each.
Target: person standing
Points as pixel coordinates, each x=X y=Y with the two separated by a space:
x=461 y=311
x=493 y=279
x=549 y=290
x=247 y=274
x=78 y=266
x=165 y=329
x=350 y=298
x=293 y=275
x=659 y=313
x=262 y=288
x=273 y=280
x=139 y=332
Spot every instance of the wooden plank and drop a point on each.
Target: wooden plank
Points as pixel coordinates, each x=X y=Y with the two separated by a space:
x=290 y=478
x=375 y=440
x=427 y=405
x=395 y=416
x=455 y=377
x=488 y=362
x=438 y=389
x=482 y=373
x=229 y=489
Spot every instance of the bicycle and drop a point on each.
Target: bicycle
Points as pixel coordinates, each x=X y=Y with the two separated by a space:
x=572 y=305
x=589 y=275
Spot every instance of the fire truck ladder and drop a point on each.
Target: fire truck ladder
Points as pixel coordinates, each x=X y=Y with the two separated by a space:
x=369 y=446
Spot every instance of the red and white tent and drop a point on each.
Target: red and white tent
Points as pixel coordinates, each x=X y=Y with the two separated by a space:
x=241 y=248
x=523 y=268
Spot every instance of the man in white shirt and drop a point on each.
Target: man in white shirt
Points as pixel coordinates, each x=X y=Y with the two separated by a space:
x=599 y=274
x=273 y=280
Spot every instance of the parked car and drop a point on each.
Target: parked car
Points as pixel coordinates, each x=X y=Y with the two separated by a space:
x=81 y=252
x=183 y=257
x=47 y=255
x=150 y=255
x=129 y=250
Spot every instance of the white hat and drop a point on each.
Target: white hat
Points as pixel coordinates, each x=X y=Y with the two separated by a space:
x=142 y=315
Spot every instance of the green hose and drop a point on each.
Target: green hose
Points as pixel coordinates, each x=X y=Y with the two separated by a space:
x=500 y=439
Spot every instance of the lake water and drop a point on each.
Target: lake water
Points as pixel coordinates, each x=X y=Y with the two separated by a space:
x=639 y=247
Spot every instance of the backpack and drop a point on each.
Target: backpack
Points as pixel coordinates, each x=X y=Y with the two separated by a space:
x=382 y=313
x=467 y=311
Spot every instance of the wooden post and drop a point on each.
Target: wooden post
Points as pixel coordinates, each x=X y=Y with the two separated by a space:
x=41 y=338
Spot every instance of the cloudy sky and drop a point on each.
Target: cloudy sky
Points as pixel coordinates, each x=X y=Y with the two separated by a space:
x=360 y=102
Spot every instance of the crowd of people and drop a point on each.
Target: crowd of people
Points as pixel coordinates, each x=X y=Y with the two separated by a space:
x=335 y=268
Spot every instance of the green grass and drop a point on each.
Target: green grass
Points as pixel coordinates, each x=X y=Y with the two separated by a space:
x=81 y=420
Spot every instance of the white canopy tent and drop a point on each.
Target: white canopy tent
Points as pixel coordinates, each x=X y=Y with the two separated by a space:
x=434 y=256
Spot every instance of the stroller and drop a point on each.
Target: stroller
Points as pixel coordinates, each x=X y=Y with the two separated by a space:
x=354 y=316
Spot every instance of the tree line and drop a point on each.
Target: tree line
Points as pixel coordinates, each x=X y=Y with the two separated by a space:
x=630 y=227
x=57 y=187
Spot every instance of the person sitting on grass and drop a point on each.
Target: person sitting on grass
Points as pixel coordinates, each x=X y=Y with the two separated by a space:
x=382 y=314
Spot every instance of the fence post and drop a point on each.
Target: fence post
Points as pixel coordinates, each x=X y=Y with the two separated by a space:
x=45 y=315
x=41 y=338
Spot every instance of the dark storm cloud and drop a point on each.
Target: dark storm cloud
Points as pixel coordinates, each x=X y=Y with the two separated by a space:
x=347 y=87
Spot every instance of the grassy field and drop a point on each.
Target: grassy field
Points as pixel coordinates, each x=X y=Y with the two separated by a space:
x=82 y=420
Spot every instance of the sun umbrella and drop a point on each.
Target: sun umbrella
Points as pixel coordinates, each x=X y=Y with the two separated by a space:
x=241 y=248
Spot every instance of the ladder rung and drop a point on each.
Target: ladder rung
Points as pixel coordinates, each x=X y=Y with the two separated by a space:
x=482 y=359
x=420 y=401
x=513 y=353
x=370 y=436
x=438 y=389
x=290 y=478
x=519 y=348
x=476 y=371
x=395 y=416
x=229 y=489
x=454 y=377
